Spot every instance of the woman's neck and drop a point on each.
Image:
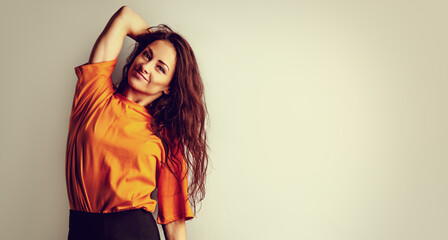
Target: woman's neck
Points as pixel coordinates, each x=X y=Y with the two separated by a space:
x=138 y=97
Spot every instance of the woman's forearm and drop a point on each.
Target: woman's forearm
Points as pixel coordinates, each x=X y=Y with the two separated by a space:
x=134 y=24
x=176 y=230
x=125 y=22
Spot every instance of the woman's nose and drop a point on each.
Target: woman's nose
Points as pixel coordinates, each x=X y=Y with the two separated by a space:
x=146 y=67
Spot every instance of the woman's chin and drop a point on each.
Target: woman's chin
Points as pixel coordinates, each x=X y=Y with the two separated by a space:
x=138 y=85
x=137 y=82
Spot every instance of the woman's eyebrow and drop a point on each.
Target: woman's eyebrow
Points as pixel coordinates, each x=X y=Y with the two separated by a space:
x=150 y=50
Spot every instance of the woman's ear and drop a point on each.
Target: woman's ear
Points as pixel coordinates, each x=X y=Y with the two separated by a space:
x=166 y=91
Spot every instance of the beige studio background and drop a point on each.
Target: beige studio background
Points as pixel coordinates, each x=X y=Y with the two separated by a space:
x=328 y=119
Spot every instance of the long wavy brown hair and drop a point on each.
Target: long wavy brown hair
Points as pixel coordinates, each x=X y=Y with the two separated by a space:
x=178 y=118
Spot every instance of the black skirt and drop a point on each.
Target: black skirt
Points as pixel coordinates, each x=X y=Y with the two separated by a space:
x=135 y=224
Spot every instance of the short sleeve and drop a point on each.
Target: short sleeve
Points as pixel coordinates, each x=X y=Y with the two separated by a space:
x=173 y=203
x=94 y=84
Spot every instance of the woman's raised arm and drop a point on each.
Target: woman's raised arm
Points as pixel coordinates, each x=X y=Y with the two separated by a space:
x=125 y=22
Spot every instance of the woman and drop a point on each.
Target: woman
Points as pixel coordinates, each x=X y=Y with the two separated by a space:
x=146 y=134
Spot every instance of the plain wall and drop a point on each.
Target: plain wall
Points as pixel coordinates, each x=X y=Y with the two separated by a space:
x=328 y=119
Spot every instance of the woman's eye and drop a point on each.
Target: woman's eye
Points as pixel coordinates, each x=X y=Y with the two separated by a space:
x=161 y=69
x=147 y=55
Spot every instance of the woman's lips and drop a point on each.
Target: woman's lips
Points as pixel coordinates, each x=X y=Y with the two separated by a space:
x=140 y=75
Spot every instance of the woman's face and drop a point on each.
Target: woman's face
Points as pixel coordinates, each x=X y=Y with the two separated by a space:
x=152 y=70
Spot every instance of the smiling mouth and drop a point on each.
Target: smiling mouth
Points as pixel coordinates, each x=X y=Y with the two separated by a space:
x=141 y=75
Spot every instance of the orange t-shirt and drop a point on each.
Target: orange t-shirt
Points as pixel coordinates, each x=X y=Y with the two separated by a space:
x=113 y=160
